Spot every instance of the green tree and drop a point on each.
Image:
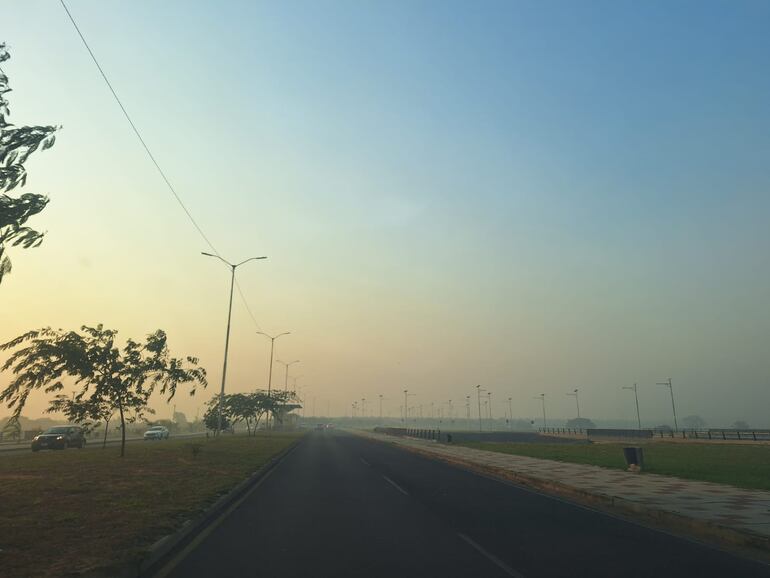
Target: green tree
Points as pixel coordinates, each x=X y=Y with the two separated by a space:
x=211 y=416
x=16 y=146
x=124 y=378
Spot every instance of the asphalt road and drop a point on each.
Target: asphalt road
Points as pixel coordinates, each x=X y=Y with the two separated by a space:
x=339 y=505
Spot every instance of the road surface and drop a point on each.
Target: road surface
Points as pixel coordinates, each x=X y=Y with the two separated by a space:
x=343 y=506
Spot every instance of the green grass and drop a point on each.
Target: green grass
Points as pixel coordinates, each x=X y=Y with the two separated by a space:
x=71 y=511
x=744 y=466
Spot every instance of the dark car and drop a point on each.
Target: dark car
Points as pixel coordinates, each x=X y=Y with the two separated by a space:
x=59 y=438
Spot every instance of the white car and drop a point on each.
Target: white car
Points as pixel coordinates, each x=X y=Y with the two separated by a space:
x=156 y=432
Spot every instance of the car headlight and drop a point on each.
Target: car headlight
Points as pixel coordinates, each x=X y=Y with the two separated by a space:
x=59 y=437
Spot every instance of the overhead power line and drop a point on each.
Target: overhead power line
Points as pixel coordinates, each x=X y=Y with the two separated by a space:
x=150 y=155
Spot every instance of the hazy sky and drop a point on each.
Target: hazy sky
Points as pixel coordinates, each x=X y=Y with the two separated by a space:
x=533 y=196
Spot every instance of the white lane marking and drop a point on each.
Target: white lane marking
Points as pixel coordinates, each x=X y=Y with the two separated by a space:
x=363 y=461
x=491 y=557
x=395 y=485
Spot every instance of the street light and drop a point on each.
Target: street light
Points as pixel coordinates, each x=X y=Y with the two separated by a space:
x=294 y=379
x=541 y=397
x=227 y=334
x=286 y=376
x=407 y=395
x=489 y=406
x=510 y=413
x=575 y=395
x=636 y=397
x=670 y=387
x=272 y=339
x=478 y=395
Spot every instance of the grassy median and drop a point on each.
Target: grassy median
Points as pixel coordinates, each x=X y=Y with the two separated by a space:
x=68 y=512
x=744 y=466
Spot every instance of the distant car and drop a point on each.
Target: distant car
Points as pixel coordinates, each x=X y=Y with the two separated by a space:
x=329 y=426
x=320 y=426
x=59 y=438
x=156 y=432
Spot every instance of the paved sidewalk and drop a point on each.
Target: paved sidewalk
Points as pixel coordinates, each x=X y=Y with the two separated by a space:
x=717 y=506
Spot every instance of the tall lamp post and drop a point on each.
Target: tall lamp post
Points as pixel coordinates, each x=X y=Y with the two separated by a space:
x=468 y=411
x=286 y=375
x=233 y=267
x=478 y=395
x=380 y=396
x=407 y=395
x=577 y=404
x=510 y=413
x=670 y=387
x=636 y=397
x=272 y=339
x=541 y=397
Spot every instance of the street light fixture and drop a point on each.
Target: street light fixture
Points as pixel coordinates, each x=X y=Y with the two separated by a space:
x=286 y=376
x=233 y=267
x=670 y=387
x=272 y=339
x=541 y=397
x=575 y=395
x=636 y=397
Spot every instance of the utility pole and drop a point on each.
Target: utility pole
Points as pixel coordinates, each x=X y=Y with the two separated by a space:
x=668 y=384
x=636 y=398
x=233 y=267
x=478 y=394
x=510 y=413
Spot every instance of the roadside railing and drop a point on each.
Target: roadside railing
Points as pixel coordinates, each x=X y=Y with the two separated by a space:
x=426 y=434
x=562 y=430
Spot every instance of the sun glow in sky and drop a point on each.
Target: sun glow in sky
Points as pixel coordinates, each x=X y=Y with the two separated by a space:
x=531 y=196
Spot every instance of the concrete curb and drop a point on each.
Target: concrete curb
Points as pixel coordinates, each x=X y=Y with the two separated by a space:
x=162 y=549
x=752 y=545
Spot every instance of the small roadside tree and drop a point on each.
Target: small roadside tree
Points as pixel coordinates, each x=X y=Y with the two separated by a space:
x=16 y=146
x=122 y=378
x=211 y=416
